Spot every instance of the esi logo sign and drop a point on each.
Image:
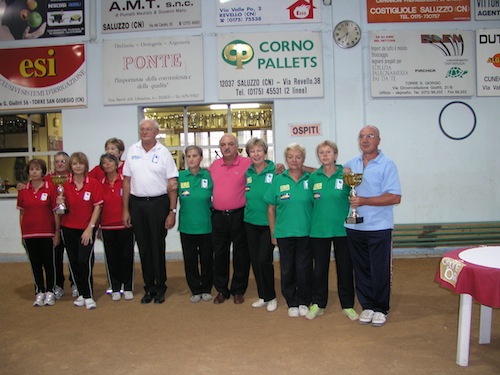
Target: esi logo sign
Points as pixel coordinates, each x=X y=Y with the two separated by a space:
x=302 y=9
x=237 y=53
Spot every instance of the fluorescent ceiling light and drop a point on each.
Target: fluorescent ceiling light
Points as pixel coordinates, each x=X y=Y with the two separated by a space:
x=215 y=107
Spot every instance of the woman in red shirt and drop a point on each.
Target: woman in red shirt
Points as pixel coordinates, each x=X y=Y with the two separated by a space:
x=83 y=199
x=40 y=229
x=118 y=240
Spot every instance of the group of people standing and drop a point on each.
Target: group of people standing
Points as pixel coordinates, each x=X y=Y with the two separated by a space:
x=247 y=204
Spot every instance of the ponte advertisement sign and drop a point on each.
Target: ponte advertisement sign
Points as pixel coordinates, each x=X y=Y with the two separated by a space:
x=380 y=11
x=43 y=77
x=270 y=65
x=156 y=70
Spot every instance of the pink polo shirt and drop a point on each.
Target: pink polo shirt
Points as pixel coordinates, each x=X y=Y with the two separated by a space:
x=229 y=183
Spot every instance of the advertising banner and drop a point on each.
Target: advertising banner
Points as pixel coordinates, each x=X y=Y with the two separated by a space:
x=270 y=65
x=153 y=70
x=488 y=62
x=255 y=12
x=422 y=63
x=33 y=19
x=418 y=10
x=43 y=77
x=140 y=15
x=487 y=9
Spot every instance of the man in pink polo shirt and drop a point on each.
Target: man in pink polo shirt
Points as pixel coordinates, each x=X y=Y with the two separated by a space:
x=228 y=175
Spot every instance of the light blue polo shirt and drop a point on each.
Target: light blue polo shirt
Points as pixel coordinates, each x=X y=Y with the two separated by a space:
x=380 y=176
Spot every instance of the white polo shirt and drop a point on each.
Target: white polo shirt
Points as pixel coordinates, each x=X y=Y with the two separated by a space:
x=149 y=171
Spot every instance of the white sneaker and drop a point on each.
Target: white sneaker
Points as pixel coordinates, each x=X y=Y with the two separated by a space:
x=58 y=292
x=195 y=298
x=293 y=312
x=90 y=304
x=272 y=305
x=303 y=310
x=206 y=297
x=39 y=299
x=74 y=291
x=80 y=301
x=259 y=303
x=379 y=319
x=109 y=291
x=50 y=299
x=128 y=294
x=366 y=316
x=116 y=296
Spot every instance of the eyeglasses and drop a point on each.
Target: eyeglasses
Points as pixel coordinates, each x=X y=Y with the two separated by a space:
x=61 y=161
x=367 y=136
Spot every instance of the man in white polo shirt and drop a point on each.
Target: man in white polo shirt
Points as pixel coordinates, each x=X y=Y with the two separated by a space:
x=149 y=205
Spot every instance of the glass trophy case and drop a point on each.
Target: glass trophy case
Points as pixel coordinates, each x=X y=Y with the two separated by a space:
x=204 y=125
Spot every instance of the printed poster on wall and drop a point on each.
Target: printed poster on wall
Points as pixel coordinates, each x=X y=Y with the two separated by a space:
x=153 y=70
x=256 y=12
x=33 y=19
x=487 y=9
x=488 y=62
x=270 y=65
x=43 y=77
x=140 y=15
x=422 y=63
x=380 y=11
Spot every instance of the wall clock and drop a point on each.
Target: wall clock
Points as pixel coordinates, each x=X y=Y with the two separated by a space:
x=347 y=34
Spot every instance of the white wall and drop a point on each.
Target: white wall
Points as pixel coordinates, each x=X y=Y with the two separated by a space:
x=443 y=180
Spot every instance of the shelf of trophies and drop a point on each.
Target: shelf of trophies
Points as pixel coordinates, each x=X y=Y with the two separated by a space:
x=204 y=125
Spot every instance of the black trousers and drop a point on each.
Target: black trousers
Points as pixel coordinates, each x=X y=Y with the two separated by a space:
x=198 y=256
x=41 y=255
x=148 y=217
x=321 y=249
x=59 y=259
x=81 y=260
x=296 y=270
x=228 y=228
x=119 y=249
x=261 y=251
x=371 y=253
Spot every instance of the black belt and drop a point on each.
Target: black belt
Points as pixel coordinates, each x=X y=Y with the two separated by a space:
x=149 y=198
x=229 y=212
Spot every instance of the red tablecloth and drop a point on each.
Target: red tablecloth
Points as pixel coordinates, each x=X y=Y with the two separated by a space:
x=482 y=283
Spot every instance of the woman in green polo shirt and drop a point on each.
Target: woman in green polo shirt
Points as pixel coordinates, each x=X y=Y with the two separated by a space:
x=289 y=214
x=195 y=197
x=331 y=206
x=259 y=176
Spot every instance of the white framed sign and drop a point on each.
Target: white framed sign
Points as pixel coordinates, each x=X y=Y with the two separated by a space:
x=488 y=62
x=153 y=70
x=270 y=65
x=255 y=12
x=487 y=10
x=119 y=16
x=422 y=63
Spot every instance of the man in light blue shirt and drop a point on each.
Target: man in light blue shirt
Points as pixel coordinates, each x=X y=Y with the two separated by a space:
x=370 y=242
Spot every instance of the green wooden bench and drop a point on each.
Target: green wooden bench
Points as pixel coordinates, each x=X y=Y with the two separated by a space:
x=446 y=235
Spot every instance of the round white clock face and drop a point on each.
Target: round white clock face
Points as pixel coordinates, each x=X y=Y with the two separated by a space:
x=347 y=34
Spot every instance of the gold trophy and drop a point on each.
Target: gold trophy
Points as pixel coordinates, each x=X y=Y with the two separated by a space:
x=60 y=181
x=353 y=180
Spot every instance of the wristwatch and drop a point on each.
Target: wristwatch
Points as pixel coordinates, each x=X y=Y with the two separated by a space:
x=174 y=210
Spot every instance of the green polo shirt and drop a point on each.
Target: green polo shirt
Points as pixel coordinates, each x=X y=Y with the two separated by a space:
x=331 y=204
x=195 y=197
x=255 y=188
x=293 y=205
